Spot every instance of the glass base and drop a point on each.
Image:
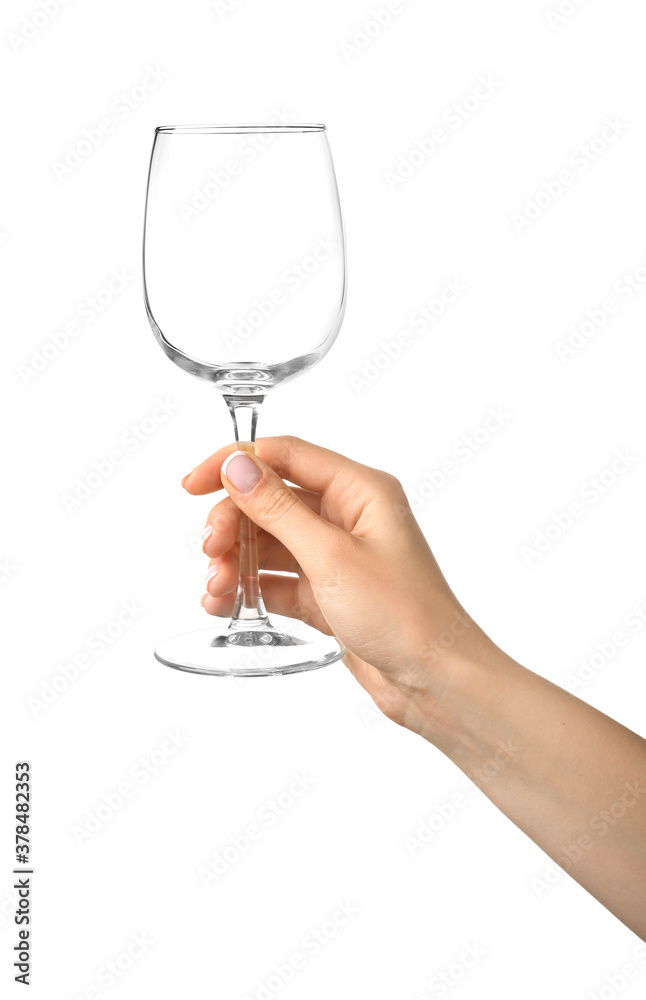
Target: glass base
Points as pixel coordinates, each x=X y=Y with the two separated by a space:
x=283 y=646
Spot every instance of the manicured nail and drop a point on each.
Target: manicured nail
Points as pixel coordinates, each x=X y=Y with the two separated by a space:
x=203 y=598
x=188 y=474
x=209 y=576
x=241 y=471
x=208 y=531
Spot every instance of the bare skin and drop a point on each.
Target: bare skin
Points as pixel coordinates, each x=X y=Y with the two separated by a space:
x=570 y=777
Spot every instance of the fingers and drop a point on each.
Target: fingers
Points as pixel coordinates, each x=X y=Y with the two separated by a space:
x=224 y=519
x=282 y=590
x=282 y=595
x=222 y=573
x=357 y=498
x=299 y=461
x=271 y=504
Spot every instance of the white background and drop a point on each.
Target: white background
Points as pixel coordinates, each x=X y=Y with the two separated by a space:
x=67 y=572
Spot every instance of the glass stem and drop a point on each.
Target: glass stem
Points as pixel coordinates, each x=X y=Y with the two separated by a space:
x=249 y=610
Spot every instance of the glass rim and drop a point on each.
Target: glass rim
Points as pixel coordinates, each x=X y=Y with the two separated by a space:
x=238 y=128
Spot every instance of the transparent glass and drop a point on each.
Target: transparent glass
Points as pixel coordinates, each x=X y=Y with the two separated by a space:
x=245 y=286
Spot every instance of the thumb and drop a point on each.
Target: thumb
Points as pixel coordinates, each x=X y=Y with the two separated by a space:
x=263 y=496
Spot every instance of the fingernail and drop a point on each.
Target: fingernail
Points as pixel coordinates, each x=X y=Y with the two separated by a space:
x=241 y=471
x=187 y=475
x=209 y=576
x=203 y=598
x=208 y=531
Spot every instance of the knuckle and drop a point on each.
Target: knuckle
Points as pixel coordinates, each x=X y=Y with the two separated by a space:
x=401 y=509
x=222 y=509
x=389 y=485
x=277 y=504
x=222 y=518
x=392 y=482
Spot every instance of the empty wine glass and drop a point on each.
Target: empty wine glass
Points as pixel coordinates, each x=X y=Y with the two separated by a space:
x=244 y=284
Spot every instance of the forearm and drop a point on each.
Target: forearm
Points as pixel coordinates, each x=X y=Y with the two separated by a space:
x=570 y=777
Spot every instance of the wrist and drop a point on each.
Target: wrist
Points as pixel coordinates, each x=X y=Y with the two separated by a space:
x=449 y=682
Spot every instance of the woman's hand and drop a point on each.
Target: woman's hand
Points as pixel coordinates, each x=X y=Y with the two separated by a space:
x=364 y=569
x=573 y=779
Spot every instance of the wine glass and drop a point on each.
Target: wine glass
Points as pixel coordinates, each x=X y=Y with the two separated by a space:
x=244 y=285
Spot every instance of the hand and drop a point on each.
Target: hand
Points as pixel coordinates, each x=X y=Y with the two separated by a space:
x=553 y=764
x=365 y=571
